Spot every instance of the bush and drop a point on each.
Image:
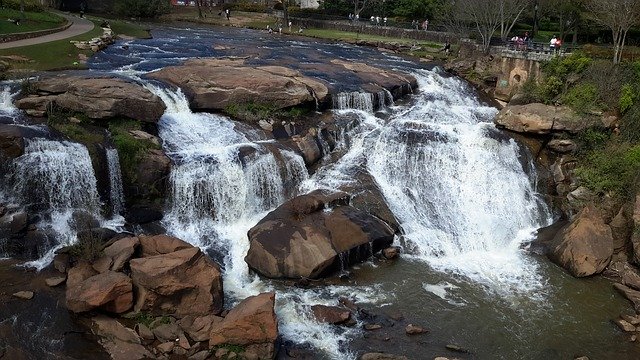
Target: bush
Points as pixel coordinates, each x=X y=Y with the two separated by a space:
x=29 y=5
x=550 y=88
x=630 y=125
x=627 y=98
x=561 y=67
x=583 y=98
x=614 y=168
x=142 y=8
x=130 y=149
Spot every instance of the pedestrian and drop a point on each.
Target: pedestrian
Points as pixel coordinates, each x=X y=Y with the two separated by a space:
x=558 y=45
x=446 y=48
x=552 y=43
x=279 y=28
x=357 y=17
x=425 y=25
x=385 y=21
x=378 y=20
x=227 y=13
x=373 y=19
x=290 y=26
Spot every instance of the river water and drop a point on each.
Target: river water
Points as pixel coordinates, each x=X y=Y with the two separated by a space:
x=463 y=193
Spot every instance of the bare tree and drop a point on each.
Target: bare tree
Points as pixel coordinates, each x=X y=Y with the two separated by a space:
x=510 y=11
x=481 y=16
x=619 y=16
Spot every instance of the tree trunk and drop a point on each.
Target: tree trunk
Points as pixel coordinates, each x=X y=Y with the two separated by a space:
x=22 y=16
x=285 y=8
x=199 y=9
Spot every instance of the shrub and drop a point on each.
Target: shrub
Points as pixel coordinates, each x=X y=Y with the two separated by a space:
x=130 y=149
x=583 y=98
x=630 y=125
x=614 y=168
x=29 y=5
x=550 y=88
x=627 y=97
x=142 y=8
x=561 y=67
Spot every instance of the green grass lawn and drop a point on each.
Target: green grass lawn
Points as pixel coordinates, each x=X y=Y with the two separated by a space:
x=126 y=28
x=54 y=55
x=33 y=21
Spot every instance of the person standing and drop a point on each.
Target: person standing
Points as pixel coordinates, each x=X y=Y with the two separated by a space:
x=425 y=25
x=552 y=43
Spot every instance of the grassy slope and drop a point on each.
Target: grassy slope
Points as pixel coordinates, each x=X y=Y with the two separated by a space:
x=62 y=54
x=33 y=21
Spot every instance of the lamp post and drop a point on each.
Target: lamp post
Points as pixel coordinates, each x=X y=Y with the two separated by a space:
x=535 y=19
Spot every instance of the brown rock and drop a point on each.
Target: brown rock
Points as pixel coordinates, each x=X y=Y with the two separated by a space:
x=624 y=325
x=112 y=291
x=585 y=246
x=144 y=332
x=55 y=281
x=79 y=273
x=98 y=98
x=161 y=244
x=121 y=343
x=198 y=327
x=26 y=295
x=630 y=294
x=414 y=329
x=331 y=314
x=11 y=141
x=543 y=119
x=184 y=282
x=166 y=347
x=372 y=327
x=621 y=229
x=121 y=251
x=635 y=235
x=252 y=322
x=102 y=264
x=562 y=146
x=61 y=262
x=214 y=87
x=630 y=277
x=299 y=239
x=308 y=147
x=112 y=329
x=152 y=170
x=167 y=332
x=391 y=252
x=633 y=320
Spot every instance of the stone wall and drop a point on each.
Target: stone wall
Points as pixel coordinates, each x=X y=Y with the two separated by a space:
x=513 y=73
x=31 y=34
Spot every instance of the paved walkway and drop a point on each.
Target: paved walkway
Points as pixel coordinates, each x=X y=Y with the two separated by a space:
x=78 y=27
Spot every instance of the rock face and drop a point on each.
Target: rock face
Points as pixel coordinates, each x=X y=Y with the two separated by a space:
x=120 y=342
x=544 y=119
x=375 y=79
x=585 y=246
x=214 y=84
x=251 y=324
x=183 y=282
x=110 y=290
x=11 y=142
x=300 y=239
x=98 y=98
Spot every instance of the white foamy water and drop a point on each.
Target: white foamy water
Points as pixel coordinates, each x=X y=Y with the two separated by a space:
x=7 y=96
x=462 y=197
x=116 y=193
x=55 y=178
x=222 y=184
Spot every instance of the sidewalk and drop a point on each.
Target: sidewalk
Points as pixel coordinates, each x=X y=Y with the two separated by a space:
x=78 y=27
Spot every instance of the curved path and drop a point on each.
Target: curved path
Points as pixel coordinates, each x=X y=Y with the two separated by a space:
x=78 y=27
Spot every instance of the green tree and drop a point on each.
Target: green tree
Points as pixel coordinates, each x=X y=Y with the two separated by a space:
x=142 y=8
x=416 y=9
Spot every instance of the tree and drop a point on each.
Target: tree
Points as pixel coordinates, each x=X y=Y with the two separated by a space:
x=481 y=16
x=617 y=15
x=416 y=9
x=510 y=11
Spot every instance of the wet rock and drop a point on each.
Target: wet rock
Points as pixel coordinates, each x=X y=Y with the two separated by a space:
x=371 y=327
x=79 y=273
x=633 y=320
x=214 y=84
x=562 y=146
x=200 y=355
x=161 y=244
x=102 y=264
x=251 y=324
x=11 y=142
x=97 y=98
x=414 y=329
x=543 y=119
x=300 y=239
x=624 y=325
x=456 y=348
x=308 y=147
x=113 y=329
x=143 y=214
x=152 y=172
x=183 y=342
x=25 y=295
x=111 y=291
x=621 y=230
x=184 y=282
x=392 y=252
x=61 y=262
x=630 y=294
x=630 y=277
x=198 y=327
x=382 y=356
x=331 y=314
x=13 y=224
x=167 y=332
x=585 y=246
x=55 y=281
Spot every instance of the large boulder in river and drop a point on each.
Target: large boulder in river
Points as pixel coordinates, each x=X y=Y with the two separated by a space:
x=183 y=282
x=215 y=84
x=252 y=324
x=111 y=291
x=585 y=246
x=97 y=98
x=313 y=235
x=539 y=118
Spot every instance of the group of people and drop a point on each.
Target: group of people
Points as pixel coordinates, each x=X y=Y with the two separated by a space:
x=375 y=20
x=278 y=26
x=417 y=24
x=354 y=17
x=524 y=42
x=555 y=44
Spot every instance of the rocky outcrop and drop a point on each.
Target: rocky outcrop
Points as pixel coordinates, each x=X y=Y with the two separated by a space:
x=111 y=291
x=97 y=98
x=151 y=174
x=331 y=314
x=161 y=244
x=374 y=79
x=585 y=246
x=635 y=235
x=252 y=324
x=183 y=282
x=214 y=84
x=120 y=342
x=306 y=236
x=545 y=119
x=11 y=142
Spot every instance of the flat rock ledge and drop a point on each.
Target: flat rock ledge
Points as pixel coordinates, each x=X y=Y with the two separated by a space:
x=98 y=98
x=540 y=119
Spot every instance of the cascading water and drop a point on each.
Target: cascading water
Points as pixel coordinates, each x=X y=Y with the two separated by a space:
x=55 y=178
x=116 y=194
x=6 y=101
x=354 y=100
x=463 y=200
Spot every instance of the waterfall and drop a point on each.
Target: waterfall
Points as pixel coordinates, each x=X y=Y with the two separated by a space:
x=7 y=108
x=116 y=194
x=463 y=199
x=55 y=178
x=354 y=100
